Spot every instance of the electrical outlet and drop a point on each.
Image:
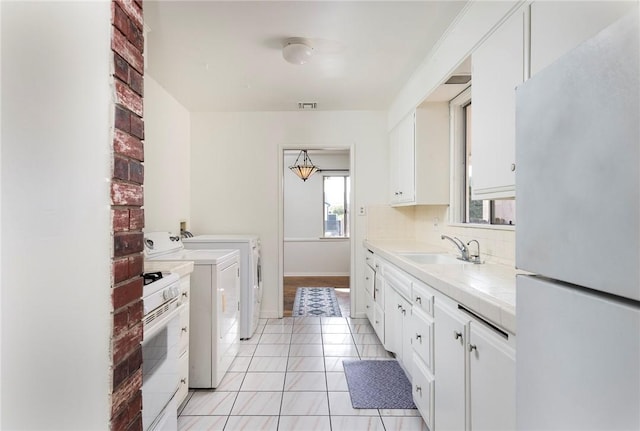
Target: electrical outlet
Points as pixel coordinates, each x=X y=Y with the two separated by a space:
x=362 y=210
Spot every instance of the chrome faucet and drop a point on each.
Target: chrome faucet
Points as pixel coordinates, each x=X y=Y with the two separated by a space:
x=475 y=258
x=460 y=245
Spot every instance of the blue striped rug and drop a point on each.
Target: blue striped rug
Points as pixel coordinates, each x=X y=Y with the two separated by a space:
x=378 y=385
x=316 y=301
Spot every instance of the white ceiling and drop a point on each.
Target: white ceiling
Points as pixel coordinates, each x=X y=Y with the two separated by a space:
x=227 y=56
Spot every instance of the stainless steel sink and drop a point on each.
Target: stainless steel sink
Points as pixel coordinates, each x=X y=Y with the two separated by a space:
x=433 y=258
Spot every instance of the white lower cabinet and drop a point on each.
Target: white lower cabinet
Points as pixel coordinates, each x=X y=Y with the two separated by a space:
x=378 y=305
x=423 y=388
x=421 y=332
x=474 y=365
x=397 y=332
x=369 y=284
x=461 y=367
x=492 y=380
x=449 y=365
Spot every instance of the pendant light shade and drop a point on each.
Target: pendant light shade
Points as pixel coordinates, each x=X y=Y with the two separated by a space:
x=305 y=169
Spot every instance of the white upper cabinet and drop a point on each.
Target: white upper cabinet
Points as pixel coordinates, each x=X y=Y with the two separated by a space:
x=402 y=158
x=419 y=157
x=529 y=40
x=557 y=27
x=498 y=67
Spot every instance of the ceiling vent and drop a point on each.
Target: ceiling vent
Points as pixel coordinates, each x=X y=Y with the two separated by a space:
x=307 y=106
x=458 y=79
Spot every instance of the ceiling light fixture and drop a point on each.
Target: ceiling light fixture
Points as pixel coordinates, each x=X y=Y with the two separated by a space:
x=297 y=51
x=306 y=169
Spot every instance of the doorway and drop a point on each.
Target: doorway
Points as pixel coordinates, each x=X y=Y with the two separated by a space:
x=316 y=249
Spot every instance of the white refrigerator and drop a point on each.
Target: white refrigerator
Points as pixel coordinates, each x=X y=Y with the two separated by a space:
x=578 y=206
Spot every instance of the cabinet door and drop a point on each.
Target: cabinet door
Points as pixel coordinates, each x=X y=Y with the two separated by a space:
x=498 y=66
x=449 y=368
x=392 y=321
x=369 y=283
x=407 y=337
x=368 y=305
x=369 y=280
x=402 y=159
x=557 y=27
x=492 y=385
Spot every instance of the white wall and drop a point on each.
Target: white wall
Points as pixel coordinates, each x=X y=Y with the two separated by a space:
x=235 y=177
x=167 y=149
x=56 y=262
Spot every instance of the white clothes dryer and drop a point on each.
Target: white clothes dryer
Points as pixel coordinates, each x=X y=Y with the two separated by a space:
x=250 y=273
x=214 y=305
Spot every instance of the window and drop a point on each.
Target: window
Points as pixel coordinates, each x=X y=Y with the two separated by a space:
x=336 y=190
x=495 y=212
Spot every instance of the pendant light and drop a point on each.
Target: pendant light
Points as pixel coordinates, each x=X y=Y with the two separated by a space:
x=306 y=169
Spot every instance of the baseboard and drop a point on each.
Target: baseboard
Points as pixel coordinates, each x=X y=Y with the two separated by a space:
x=269 y=315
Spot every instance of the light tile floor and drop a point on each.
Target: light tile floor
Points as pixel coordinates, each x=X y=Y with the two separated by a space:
x=289 y=376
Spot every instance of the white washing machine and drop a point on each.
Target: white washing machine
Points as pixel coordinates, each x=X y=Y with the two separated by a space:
x=214 y=337
x=250 y=273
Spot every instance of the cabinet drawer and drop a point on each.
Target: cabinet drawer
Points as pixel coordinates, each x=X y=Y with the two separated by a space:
x=183 y=375
x=184 y=330
x=369 y=258
x=378 y=290
x=423 y=391
x=422 y=335
x=421 y=297
x=378 y=321
x=369 y=280
x=369 y=305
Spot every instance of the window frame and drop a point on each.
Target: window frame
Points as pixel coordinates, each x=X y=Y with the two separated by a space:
x=459 y=193
x=345 y=200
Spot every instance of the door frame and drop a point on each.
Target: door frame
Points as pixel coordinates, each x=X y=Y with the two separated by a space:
x=281 y=171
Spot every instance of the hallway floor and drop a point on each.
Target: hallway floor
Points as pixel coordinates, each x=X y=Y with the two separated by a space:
x=289 y=376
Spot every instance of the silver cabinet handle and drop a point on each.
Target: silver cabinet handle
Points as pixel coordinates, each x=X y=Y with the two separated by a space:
x=473 y=347
x=513 y=167
x=419 y=337
x=183 y=381
x=184 y=329
x=419 y=389
x=418 y=300
x=457 y=334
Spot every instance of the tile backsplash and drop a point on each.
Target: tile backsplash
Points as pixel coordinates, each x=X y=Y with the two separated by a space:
x=427 y=223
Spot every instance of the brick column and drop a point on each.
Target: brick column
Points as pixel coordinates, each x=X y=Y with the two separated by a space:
x=127 y=43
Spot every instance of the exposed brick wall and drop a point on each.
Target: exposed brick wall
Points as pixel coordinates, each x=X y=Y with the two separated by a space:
x=127 y=43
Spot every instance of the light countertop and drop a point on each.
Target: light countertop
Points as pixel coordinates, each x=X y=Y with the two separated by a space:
x=488 y=289
x=182 y=268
